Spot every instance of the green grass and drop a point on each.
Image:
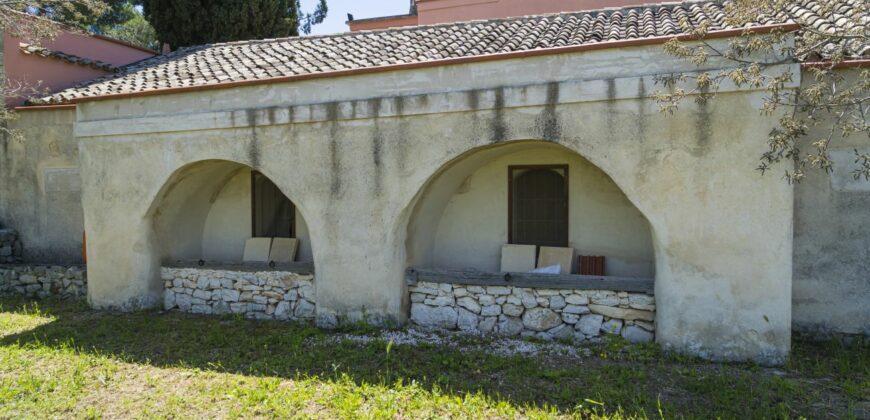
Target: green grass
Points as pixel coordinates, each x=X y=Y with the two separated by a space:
x=60 y=359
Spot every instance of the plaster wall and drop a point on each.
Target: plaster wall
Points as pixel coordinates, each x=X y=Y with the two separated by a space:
x=363 y=149
x=49 y=74
x=832 y=241
x=40 y=186
x=474 y=223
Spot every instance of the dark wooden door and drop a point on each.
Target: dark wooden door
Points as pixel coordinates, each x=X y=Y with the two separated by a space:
x=539 y=205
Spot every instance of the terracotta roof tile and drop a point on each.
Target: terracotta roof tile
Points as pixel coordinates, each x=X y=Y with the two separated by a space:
x=261 y=59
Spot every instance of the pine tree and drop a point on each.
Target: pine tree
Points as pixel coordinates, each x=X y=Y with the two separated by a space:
x=183 y=23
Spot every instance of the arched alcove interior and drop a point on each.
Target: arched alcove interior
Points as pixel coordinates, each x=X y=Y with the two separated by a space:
x=460 y=218
x=205 y=210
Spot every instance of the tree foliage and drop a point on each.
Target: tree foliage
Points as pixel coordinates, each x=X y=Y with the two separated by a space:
x=136 y=30
x=191 y=22
x=830 y=99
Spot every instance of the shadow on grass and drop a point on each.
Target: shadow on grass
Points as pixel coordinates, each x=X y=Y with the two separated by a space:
x=280 y=349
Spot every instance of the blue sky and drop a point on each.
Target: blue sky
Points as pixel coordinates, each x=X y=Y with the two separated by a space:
x=338 y=10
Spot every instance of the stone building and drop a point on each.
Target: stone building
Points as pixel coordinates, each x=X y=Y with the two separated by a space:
x=395 y=156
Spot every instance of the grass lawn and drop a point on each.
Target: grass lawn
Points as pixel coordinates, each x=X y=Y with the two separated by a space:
x=60 y=359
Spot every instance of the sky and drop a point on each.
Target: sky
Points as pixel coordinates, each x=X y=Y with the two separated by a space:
x=338 y=10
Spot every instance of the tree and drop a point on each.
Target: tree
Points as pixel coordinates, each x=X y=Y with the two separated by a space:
x=183 y=23
x=16 y=20
x=135 y=30
x=832 y=99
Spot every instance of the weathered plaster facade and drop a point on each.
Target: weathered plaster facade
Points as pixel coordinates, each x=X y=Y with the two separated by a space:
x=40 y=186
x=832 y=242
x=357 y=155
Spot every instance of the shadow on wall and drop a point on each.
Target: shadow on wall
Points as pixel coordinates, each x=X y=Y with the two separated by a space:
x=208 y=209
x=461 y=217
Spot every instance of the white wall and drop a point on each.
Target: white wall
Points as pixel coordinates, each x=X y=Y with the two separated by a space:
x=228 y=224
x=602 y=221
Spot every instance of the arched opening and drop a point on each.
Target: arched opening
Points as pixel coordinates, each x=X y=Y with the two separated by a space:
x=230 y=240
x=494 y=224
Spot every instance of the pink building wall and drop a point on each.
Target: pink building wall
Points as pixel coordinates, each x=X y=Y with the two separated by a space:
x=51 y=74
x=441 y=11
x=445 y=11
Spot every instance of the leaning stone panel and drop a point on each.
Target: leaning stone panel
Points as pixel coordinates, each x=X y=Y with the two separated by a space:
x=258 y=295
x=66 y=282
x=547 y=314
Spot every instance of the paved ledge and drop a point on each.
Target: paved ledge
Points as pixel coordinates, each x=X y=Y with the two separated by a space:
x=248 y=267
x=530 y=280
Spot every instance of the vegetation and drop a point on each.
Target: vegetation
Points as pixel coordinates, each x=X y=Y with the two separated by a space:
x=183 y=23
x=61 y=359
x=832 y=102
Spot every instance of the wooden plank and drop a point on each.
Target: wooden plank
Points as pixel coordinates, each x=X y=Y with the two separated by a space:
x=292 y=267
x=531 y=280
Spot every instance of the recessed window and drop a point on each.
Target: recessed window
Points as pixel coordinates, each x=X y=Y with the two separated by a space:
x=538 y=205
x=273 y=215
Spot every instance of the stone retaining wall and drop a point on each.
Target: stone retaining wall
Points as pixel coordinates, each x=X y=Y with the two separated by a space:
x=11 y=249
x=43 y=281
x=259 y=295
x=543 y=313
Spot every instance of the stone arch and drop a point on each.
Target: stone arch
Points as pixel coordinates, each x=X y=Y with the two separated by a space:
x=202 y=211
x=424 y=215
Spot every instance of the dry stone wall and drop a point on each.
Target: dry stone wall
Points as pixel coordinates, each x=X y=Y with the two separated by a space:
x=543 y=313
x=259 y=295
x=43 y=281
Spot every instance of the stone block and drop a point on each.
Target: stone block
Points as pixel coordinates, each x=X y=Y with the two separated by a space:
x=230 y=295
x=202 y=294
x=304 y=309
x=486 y=325
x=440 y=301
x=529 y=300
x=575 y=309
x=570 y=318
x=434 y=317
x=466 y=320
x=491 y=310
x=621 y=313
x=517 y=258
x=614 y=326
x=498 y=290
x=508 y=325
x=417 y=297
x=469 y=304
x=168 y=299
x=636 y=335
x=512 y=310
x=589 y=325
x=575 y=299
x=561 y=332
x=183 y=302
x=649 y=326
x=486 y=300
x=541 y=319
x=557 y=302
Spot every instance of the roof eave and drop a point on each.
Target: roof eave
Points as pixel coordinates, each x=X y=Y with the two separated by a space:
x=726 y=33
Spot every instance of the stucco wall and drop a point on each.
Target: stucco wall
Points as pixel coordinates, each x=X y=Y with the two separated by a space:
x=40 y=187
x=356 y=153
x=474 y=222
x=832 y=242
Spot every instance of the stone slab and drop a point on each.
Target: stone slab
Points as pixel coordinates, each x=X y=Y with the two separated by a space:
x=257 y=250
x=551 y=255
x=284 y=250
x=517 y=258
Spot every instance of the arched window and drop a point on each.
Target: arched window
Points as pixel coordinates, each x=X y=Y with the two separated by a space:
x=538 y=205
